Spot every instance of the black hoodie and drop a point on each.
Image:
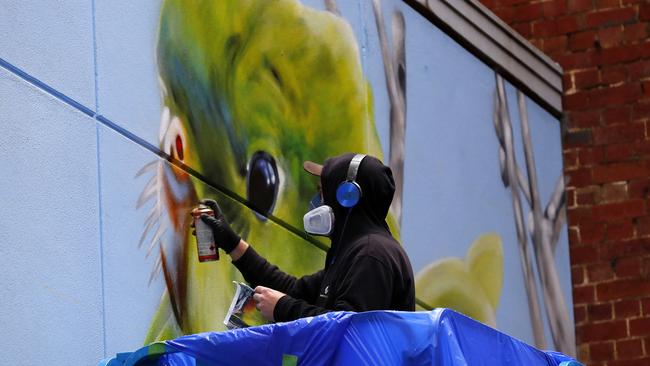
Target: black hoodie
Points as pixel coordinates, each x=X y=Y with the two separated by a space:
x=365 y=268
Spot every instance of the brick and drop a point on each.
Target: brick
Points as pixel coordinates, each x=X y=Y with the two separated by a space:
x=576 y=6
x=579 y=215
x=567 y=25
x=567 y=83
x=555 y=44
x=635 y=32
x=577 y=275
x=645 y=304
x=640 y=326
x=638 y=246
x=577 y=60
x=528 y=12
x=525 y=29
x=614 y=95
x=582 y=349
x=620 y=289
x=641 y=110
x=570 y=159
x=627 y=267
x=612 y=192
x=643 y=226
x=599 y=312
x=505 y=13
x=591 y=156
x=571 y=197
x=583 y=255
x=554 y=8
x=579 y=177
x=644 y=49
x=574 y=236
x=601 y=351
x=639 y=188
x=639 y=69
x=621 y=230
x=619 y=210
x=610 y=37
x=576 y=101
x=620 y=54
x=636 y=362
x=587 y=78
x=616 y=115
x=604 y=4
x=592 y=233
x=599 y=272
x=581 y=41
x=629 y=349
x=621 y=152
x=610 y=17
x=579 y=138
x=619 y=171
x=579 y=314
x=628 y=132
x=645 y=270
x=555 y=27
x=586 y=198
x=611 y=75
x=584 y=294
x=644 y=12
x=601 y=331
x=627 y=309
x=584 y=119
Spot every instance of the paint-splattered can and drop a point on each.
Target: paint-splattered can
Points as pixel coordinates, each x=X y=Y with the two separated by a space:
x=206 y=247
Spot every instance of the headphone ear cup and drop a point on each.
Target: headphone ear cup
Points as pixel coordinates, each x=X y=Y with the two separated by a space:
x=348 y=194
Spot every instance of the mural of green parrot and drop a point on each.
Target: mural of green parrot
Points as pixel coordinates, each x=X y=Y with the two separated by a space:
x=251 y=89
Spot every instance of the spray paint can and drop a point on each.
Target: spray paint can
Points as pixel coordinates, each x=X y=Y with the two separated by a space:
x=205 y=245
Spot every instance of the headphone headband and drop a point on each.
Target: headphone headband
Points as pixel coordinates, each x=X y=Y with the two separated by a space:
x=354 y=167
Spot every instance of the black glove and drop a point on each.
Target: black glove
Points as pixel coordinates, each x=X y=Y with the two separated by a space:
x=224 y=237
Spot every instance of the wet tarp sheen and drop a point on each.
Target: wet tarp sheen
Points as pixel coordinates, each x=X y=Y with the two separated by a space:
x=440 y=337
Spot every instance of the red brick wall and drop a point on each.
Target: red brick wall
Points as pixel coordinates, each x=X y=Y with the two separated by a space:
x=604 y=49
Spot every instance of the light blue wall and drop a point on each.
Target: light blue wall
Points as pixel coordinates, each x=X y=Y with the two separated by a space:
x=80 y=110
x=51 y=282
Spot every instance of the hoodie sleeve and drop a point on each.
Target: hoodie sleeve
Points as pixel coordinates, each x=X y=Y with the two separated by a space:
x=258 y=271
x=367 y=286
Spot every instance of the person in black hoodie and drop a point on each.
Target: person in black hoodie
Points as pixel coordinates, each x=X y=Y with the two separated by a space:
x=365 y=267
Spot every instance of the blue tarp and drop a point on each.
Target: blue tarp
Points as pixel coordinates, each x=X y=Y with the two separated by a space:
x=440 y=337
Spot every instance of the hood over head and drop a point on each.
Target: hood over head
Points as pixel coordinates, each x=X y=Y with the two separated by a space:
x=377 y=187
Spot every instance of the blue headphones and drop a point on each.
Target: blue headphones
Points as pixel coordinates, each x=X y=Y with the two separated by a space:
x=349 y=192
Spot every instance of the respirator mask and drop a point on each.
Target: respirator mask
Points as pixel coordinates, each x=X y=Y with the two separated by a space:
x=320 y=218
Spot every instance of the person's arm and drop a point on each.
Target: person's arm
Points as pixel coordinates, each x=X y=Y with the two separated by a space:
x=255 y=269
x=368 y=285
x=259 y=272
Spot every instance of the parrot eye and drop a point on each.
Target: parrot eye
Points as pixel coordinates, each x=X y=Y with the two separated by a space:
x=179 y=147
x=173 y=139
x=262 y=183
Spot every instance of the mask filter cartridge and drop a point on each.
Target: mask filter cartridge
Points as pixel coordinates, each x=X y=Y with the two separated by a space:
x=319 y=221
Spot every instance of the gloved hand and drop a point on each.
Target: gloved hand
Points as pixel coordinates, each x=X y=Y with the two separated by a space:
x=224 y=237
